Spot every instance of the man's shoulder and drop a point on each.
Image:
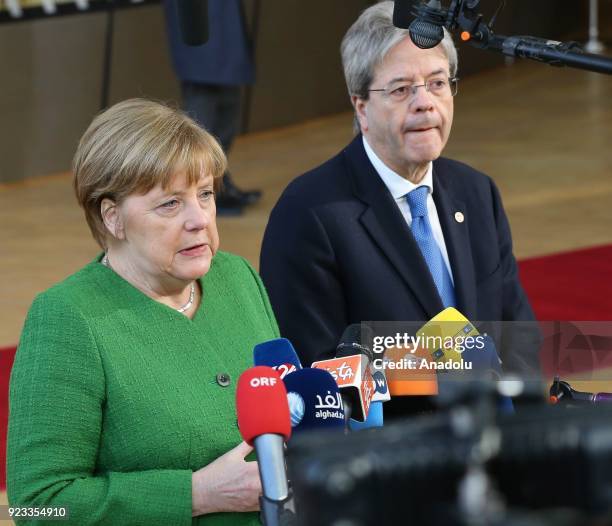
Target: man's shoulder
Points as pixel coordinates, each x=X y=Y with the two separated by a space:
x=328 y=180
x=450 y=169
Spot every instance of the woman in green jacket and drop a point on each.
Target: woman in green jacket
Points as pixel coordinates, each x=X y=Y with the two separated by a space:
x=122 y=391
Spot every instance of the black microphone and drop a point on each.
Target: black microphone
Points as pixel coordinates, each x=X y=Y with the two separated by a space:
x=402 y=13
x=193 y=21
x=561 y=391
x=426 y=21
x=356 y=339
x=427 y=28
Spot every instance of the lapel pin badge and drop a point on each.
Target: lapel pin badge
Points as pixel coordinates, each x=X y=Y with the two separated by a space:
x=459 y=217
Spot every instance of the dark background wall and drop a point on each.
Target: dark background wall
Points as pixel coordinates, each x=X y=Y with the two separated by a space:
x=51 y=68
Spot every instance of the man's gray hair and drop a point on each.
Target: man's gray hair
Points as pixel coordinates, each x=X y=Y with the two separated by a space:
x=368 y=41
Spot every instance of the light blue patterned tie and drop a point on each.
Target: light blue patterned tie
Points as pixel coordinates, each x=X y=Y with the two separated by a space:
x=423 y=234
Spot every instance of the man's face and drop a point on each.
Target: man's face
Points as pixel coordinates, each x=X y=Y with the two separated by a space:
x=407 y=134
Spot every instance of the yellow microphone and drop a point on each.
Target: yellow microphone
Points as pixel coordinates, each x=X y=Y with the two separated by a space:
x=412 y=370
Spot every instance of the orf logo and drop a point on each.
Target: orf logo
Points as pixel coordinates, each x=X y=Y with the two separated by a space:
x=263 y=381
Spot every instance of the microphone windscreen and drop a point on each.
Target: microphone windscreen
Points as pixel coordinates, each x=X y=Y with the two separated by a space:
x=410 y=381
x=381 y=386
x=314 y=400
x=278 y=354
x=356 y=339
x=375 y=418
x=261 y=404
x=483 y=358
x=425 y=35
x=193 y=21
x=402 y=13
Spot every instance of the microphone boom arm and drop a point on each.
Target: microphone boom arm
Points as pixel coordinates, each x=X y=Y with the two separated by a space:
x=462 y=15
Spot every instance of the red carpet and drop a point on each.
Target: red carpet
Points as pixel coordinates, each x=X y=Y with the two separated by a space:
x=569 y=286
x=573 y=285
x=6 y=362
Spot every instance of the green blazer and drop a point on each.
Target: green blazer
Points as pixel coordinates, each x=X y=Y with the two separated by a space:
x=115 y=399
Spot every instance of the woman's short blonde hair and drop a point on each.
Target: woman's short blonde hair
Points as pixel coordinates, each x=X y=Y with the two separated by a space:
x=134 y=146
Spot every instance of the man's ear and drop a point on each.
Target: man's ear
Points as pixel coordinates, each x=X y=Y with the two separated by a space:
x=361 y=114
x=112 y=218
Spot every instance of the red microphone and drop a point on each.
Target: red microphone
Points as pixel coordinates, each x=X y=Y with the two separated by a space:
x=264 y=422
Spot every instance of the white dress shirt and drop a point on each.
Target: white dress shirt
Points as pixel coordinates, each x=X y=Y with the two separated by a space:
x=399 y=187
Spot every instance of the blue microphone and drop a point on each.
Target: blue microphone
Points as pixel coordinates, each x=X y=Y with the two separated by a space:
x=486 y=362
x=374 y=419
x=278 y=354
x=484 y=359
x=357 y=339
x=314 y=401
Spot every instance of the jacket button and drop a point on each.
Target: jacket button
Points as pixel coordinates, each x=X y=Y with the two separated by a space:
x=223 y=379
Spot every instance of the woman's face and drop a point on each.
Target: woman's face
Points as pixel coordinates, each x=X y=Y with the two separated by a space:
x=169 y=236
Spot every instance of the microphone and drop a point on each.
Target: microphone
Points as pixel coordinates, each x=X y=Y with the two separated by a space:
x=314 y=400
x=353 y=376
x=411 y=367
x=351 y=341
x=448 y=343
x=563 y=392
x=278 y=354
x=426 y=30
x=193 y=21
x=357 y=338
x=402 y=13
x=428 y=20
x=263 y=420
x=462 y=352
x=484 y=360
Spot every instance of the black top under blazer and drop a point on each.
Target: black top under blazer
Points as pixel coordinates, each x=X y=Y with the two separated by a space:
x=337 y=251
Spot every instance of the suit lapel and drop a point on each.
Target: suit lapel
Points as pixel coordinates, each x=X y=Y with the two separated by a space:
x=457 y=240
x=388 y=229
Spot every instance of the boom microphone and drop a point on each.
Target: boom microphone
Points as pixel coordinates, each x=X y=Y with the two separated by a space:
x=193 y=21
x=402 y=13
x=427 y=28
x=426 y=22
x=263 y=420
x=314 y=400
x=278 y=354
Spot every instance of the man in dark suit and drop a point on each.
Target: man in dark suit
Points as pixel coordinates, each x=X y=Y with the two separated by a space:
x=387 y=229
x=212 y=76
